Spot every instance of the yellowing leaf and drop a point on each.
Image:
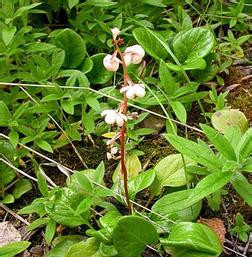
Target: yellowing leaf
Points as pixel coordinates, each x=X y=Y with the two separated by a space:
x=133 y=166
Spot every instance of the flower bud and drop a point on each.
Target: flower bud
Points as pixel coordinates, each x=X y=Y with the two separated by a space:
x=133 y=54
x=115 y=32
x=111 y=63
x=112 y=117
x=135 y=90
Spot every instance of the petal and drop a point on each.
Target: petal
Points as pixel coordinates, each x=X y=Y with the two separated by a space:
x=124 y=89
x=127 y=58
x=110 y=119
x=130 y=94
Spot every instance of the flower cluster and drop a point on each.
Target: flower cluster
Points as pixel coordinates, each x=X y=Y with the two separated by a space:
x=132 y=55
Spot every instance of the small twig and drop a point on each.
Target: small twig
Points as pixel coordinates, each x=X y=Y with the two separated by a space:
x=14 y=214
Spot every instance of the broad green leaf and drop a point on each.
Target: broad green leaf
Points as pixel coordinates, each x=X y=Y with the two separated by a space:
x=220 y=142
x=179 y=110
x=73 y=45
x=72 y=3
x=68 y=106
x=157 y=3
x=84 y=205
x=140 y=182
x=87 y=65
x=5 y=115
x=93 y=103
x=61 y=249
x=23 y=9
x=170 y=172
x=199 y=153
x=195 y=63
x=14 y=137
x=44 y=145
x=89 y=248
x=37 y=223
x=150 y=41
x=132 y=234
x=39 y=47
x=50 y=231
x=100 y=3
x=21 y=187
x=194 y=238
x=244 y=147
x=98 y=74
x=107 y=250
x=166 y=78
x=8 y=34
x=133 y=166
x=88 y=121
x=209 y=185
x=63 y=208
x=172 y=208
x=110 y=219
x=9 y=198
x=13 y=249
x=243 y=187
x=194 y=43
x=224 y=119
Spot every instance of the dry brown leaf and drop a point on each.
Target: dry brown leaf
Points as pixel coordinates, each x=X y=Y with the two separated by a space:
x=8 y=233
x=217 y=225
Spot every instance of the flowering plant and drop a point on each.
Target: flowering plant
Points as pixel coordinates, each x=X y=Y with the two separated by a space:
x=130 y=90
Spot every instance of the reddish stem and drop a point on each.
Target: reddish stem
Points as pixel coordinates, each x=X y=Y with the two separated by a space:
x=123 y=130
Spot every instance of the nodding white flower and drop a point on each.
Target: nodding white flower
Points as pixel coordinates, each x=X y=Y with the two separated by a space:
x=113 y=116
x=135 y=90
x=111 y=62
x=115 y=32
x=133 y=54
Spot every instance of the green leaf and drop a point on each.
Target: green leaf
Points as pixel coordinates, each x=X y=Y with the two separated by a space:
x=243 y=187
x=67 y=106
x=220 y=142
x=87 y=65
x=224 y=119
x=8 y=34
x=37 y=223
x=42 y=184
x=88 y=121
x=209 y=185
x=14 y=137
x=9 y=198
x=166 y=78
x=101 y=3
x=44 y=145
x=50 y=231
x=5 y=115
x=157 y=3
x=172 y=207
x=61 y=248
x=6 y=173
x=140 y=182
x=194 y=43
x=244 y=147
x=89 y=248
x=98 y=74
x=193 y=239
x=63 y=208
x=179 y=110
x=131 y=236
x=93 y=103
x=72 y=3
x=152 y=42
x=84 y=206
x=199 y=153
x=73 y=45
x=170 y=172
x=13 y=249
x=21 y=187
x=195 y=63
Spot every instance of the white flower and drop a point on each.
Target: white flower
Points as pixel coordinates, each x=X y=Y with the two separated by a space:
x=111 y=63
x=135 y=90
x=113 y=116
x=115 y=32
x=133 y=54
